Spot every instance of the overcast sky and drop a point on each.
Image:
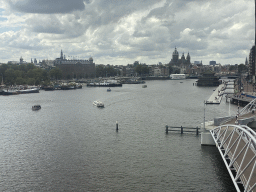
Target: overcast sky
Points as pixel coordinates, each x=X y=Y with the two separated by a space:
x=120 y=32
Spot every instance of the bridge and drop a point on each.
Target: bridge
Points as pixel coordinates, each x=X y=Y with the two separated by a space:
x=237 y=146
x=236 y=143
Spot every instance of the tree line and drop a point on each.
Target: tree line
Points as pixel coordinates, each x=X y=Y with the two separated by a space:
x=27 y=74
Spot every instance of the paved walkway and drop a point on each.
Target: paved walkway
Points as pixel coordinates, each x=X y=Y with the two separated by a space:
x=216 y=96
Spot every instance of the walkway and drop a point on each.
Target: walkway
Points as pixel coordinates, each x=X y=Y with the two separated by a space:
x=216 y=96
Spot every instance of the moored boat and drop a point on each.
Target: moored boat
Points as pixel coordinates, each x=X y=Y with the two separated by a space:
x=79 y=86
x=3 y=92
x=49 y=88
x=108 y=90
x=25 y=91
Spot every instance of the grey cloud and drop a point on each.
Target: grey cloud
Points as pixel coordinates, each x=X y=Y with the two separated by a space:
x=48 y=6
x=104 y=27
x=142 y=33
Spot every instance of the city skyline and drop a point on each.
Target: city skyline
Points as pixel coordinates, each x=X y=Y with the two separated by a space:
x=121 y=32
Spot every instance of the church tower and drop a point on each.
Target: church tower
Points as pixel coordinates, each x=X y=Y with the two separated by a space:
x=61 y=55
x=246 y=62
x=188 y=58
x=175 y=56
x=183 y=58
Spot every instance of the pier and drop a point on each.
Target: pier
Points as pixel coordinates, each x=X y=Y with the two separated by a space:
x=182 y=129
x=216 y=96
x=236 y=143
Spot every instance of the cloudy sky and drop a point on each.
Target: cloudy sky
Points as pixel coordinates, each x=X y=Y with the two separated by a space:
x=119 y=32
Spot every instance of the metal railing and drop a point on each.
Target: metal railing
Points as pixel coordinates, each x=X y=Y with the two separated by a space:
x=237 y=146
x=249 y=108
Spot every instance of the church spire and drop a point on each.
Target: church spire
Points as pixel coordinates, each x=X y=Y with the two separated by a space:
x=61 y=55
x=246 y=61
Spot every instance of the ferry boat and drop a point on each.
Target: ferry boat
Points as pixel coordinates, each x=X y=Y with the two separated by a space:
x=98 y=104
x=177 y=76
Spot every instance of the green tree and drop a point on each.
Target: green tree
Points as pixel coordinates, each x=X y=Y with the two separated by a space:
x=20 y=74
x=10 y=76
x=31 y=81
x=232 y=68
x=242 y=68
x=174 y=70
x=20 y=81
x=29 y=66
x=110 y=71
x=100 y=71
x=55 y=73
x=141 y=69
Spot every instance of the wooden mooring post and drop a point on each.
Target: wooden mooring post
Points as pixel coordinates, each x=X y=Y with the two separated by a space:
x=181 y=129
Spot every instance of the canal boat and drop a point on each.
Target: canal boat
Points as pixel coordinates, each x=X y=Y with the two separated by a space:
x=36 y=107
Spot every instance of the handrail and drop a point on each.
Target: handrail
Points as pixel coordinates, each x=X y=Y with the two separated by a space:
x=226 y=140
x=249 y=107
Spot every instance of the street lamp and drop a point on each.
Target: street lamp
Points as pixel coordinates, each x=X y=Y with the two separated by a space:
x=204 y=117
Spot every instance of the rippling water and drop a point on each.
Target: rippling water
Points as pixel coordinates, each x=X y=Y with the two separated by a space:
x=70 y=145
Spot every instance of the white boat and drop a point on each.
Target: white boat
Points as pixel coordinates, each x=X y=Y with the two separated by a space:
x=98 y=104
x=177 y=76
x=30 y=90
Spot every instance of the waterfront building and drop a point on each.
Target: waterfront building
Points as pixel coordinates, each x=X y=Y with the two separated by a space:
x=157 y=72
x=208 y=79
x=252 y=64
x=75 y=68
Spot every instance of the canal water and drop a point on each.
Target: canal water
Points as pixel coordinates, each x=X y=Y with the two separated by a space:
x=71 y=145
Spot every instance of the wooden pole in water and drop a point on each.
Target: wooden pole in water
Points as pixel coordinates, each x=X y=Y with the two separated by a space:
x=116 y=126
x=181 y=130
x=166 y=129
x=196 y=130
